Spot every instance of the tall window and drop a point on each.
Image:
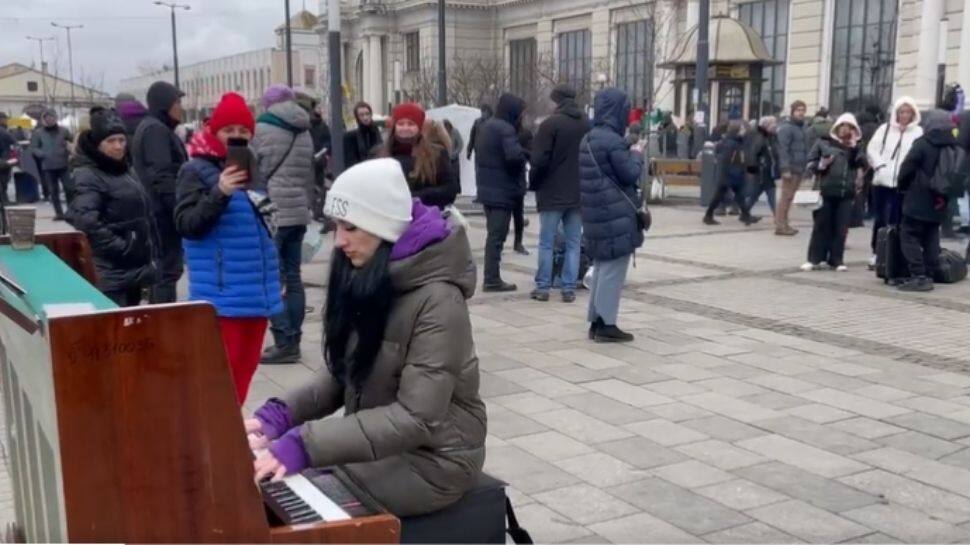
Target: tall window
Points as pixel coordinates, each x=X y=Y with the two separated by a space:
x=575 y=60
x=770 y=19
x=863 y=54
x=634 y=60
x=412 y=47
x=522 y=67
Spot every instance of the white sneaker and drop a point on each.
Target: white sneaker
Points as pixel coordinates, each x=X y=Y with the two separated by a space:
x=872 y=261
x=841 y=268
x=808 y=266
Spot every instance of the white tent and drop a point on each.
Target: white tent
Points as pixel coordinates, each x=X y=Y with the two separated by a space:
x=462 y=117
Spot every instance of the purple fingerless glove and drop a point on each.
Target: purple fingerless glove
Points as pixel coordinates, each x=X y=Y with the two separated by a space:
x=289 y=451
x=275 y=418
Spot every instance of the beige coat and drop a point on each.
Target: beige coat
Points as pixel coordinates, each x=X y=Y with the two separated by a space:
x=414 y=433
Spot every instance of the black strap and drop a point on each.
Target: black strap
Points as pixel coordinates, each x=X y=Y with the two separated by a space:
x=516 y=532
x=283 y=160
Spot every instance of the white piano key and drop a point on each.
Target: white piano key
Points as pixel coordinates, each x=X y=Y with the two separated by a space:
x=324 y=506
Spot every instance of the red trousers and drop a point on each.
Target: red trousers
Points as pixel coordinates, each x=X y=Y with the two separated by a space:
x=243 y=340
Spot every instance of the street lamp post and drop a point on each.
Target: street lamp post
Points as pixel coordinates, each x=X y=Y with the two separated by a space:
x=175 y=45
x=289 y=47
x=43 y=64
x=70 y=61
x=442 y=75
x=702 y=103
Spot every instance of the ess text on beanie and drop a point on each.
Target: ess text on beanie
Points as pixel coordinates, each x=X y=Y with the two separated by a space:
x=373 y=196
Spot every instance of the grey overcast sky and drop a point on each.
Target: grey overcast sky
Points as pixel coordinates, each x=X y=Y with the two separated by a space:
x=120 y=35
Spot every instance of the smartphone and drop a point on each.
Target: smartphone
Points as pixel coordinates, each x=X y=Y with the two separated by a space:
x=238 y=154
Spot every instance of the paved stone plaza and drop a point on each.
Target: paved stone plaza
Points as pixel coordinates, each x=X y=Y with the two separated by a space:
x=757 y=404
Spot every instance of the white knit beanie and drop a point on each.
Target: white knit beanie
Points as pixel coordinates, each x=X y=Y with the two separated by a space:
x=373 y=196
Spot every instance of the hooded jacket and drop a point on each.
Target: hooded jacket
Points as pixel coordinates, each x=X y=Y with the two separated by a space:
x=115 y=213
x=761 y=155
x=155 y=150
x=49 y=145
x=284 y=148
x=555 y=158
x=792 y=146
x=499 y=157
x=731 y=162
x=838 y=179
x=608 y=177
x=413 y=433
x=890 y=144
x=919 y=202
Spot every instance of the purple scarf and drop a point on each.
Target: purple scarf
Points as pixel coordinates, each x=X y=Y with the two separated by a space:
x=427 y=227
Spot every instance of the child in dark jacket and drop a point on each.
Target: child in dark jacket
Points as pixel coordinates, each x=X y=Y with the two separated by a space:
x=838 y=160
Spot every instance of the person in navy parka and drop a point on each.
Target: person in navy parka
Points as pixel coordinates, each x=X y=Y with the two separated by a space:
x=231 y=256
x=608 y=175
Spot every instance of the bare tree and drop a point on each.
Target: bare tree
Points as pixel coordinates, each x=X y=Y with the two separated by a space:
x=148 y=67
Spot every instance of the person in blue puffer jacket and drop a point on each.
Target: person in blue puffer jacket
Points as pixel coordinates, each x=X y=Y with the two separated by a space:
x=230 y=254
x=608 y=175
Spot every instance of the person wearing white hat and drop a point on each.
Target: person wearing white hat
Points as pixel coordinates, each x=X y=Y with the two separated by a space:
x=400 y=359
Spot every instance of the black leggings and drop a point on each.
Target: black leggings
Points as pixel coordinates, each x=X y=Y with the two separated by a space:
x=518 y=221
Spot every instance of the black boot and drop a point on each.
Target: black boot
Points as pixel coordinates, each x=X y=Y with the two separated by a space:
x=277 y=355
x=917 y=283
x=611 y=334
x=748 y=219
x=594 y=327
x=501 y=286
x=709 y=220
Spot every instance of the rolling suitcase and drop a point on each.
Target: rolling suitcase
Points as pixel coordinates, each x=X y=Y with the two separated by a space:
x=952 y=268
x=890 y=263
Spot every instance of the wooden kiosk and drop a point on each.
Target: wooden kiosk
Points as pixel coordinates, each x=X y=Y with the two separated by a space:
x=122 y=424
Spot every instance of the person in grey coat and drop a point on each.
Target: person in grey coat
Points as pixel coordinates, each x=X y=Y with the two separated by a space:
x=49 y=145
x=284 y=150
x=792 y=158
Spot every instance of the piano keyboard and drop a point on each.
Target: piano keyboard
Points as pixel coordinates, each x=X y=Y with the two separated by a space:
x=296 y=500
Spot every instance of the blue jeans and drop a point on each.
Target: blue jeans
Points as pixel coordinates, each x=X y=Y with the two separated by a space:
x=287 y=326
x=572 y=223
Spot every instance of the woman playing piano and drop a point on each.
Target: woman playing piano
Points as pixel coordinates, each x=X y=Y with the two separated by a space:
x=399 y=354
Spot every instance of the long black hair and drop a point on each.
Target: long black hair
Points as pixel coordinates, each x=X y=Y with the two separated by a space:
x=358 y=302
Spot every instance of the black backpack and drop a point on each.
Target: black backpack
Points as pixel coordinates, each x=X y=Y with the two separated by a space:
x=949 y=179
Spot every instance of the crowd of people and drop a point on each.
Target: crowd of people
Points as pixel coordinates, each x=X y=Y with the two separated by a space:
x=232 y=201
x=906 y=173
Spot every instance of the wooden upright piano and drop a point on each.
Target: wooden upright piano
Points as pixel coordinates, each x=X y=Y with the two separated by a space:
x=122 y=424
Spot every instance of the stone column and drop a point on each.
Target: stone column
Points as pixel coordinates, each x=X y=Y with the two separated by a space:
x=373 y=86
x=929 y=27
x=963 y=69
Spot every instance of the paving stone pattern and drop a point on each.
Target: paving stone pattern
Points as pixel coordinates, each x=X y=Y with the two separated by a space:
x=758 y=404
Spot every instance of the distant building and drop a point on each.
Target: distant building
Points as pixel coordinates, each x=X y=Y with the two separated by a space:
x=24 y=89
x=248 y=73
x=844 y=54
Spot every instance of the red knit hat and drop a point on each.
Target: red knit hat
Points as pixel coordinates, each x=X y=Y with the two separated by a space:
x=231 y=110
x=409 y=110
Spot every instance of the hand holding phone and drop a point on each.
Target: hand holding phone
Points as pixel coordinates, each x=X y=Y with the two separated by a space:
x=232 y=179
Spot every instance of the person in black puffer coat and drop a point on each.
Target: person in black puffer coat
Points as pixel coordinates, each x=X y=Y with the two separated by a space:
x=114 y=211
x=500 y=176
x=731 y=166
x=924 y=210
x=839 y=162
x=555 y=178
x=158 y=154
x=608 y=176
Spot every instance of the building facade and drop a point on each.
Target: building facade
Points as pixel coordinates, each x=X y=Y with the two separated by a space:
x=842 y=54
x=27 y=90
x=248 y=73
